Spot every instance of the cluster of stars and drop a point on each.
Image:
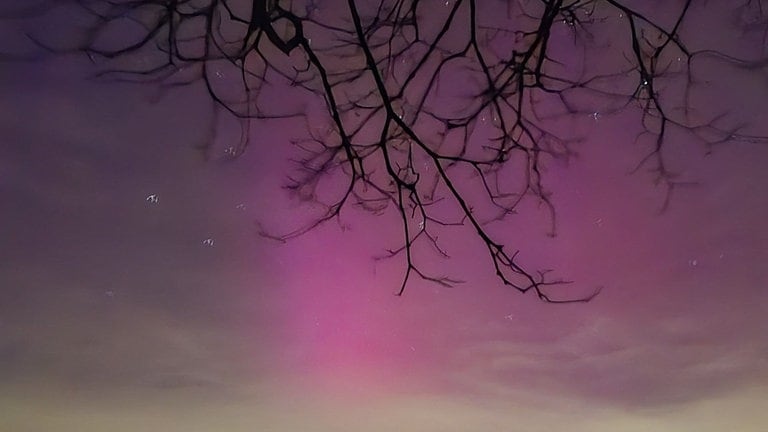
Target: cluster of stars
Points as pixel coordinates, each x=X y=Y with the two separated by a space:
x=209 y=241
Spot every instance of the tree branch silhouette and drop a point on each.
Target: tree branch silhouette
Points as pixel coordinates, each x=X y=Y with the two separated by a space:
x=399 y=132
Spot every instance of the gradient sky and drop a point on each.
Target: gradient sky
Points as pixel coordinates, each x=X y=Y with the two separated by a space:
x=117 y=314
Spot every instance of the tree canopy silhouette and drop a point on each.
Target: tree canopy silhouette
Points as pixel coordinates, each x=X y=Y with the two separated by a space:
x=444 y=112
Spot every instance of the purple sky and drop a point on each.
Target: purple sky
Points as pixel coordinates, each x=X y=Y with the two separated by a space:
x=117 y=314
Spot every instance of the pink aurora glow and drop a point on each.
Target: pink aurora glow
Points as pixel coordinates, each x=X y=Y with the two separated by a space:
x=115 y=316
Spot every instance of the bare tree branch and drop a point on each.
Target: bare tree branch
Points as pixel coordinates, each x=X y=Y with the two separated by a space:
x=442 y=158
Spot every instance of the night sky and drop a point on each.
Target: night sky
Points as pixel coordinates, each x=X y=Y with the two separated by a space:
x=136 y=292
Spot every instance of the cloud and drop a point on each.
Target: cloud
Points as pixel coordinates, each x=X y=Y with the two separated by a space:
x=618 y=363
x=283 y=410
